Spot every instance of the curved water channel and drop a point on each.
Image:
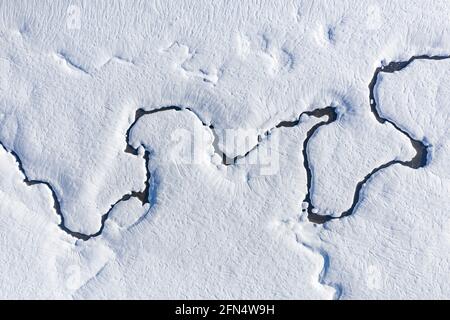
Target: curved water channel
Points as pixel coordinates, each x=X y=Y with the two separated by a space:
x=419 y=160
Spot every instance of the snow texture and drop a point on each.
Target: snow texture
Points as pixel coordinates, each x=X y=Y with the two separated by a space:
x=184 y=149
x=400 y=232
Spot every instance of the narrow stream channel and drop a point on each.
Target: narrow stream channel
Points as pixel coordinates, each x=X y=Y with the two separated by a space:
x=419 y=160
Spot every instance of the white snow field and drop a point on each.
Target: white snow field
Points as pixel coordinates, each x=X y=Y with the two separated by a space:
x=224 y=149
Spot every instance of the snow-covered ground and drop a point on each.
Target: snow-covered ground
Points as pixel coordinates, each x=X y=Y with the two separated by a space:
x=224 y=149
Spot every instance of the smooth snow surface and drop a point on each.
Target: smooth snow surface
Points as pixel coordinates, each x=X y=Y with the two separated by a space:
x=184 y=149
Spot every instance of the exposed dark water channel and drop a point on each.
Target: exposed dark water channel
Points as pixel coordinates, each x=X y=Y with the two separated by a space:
x=419 y=160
